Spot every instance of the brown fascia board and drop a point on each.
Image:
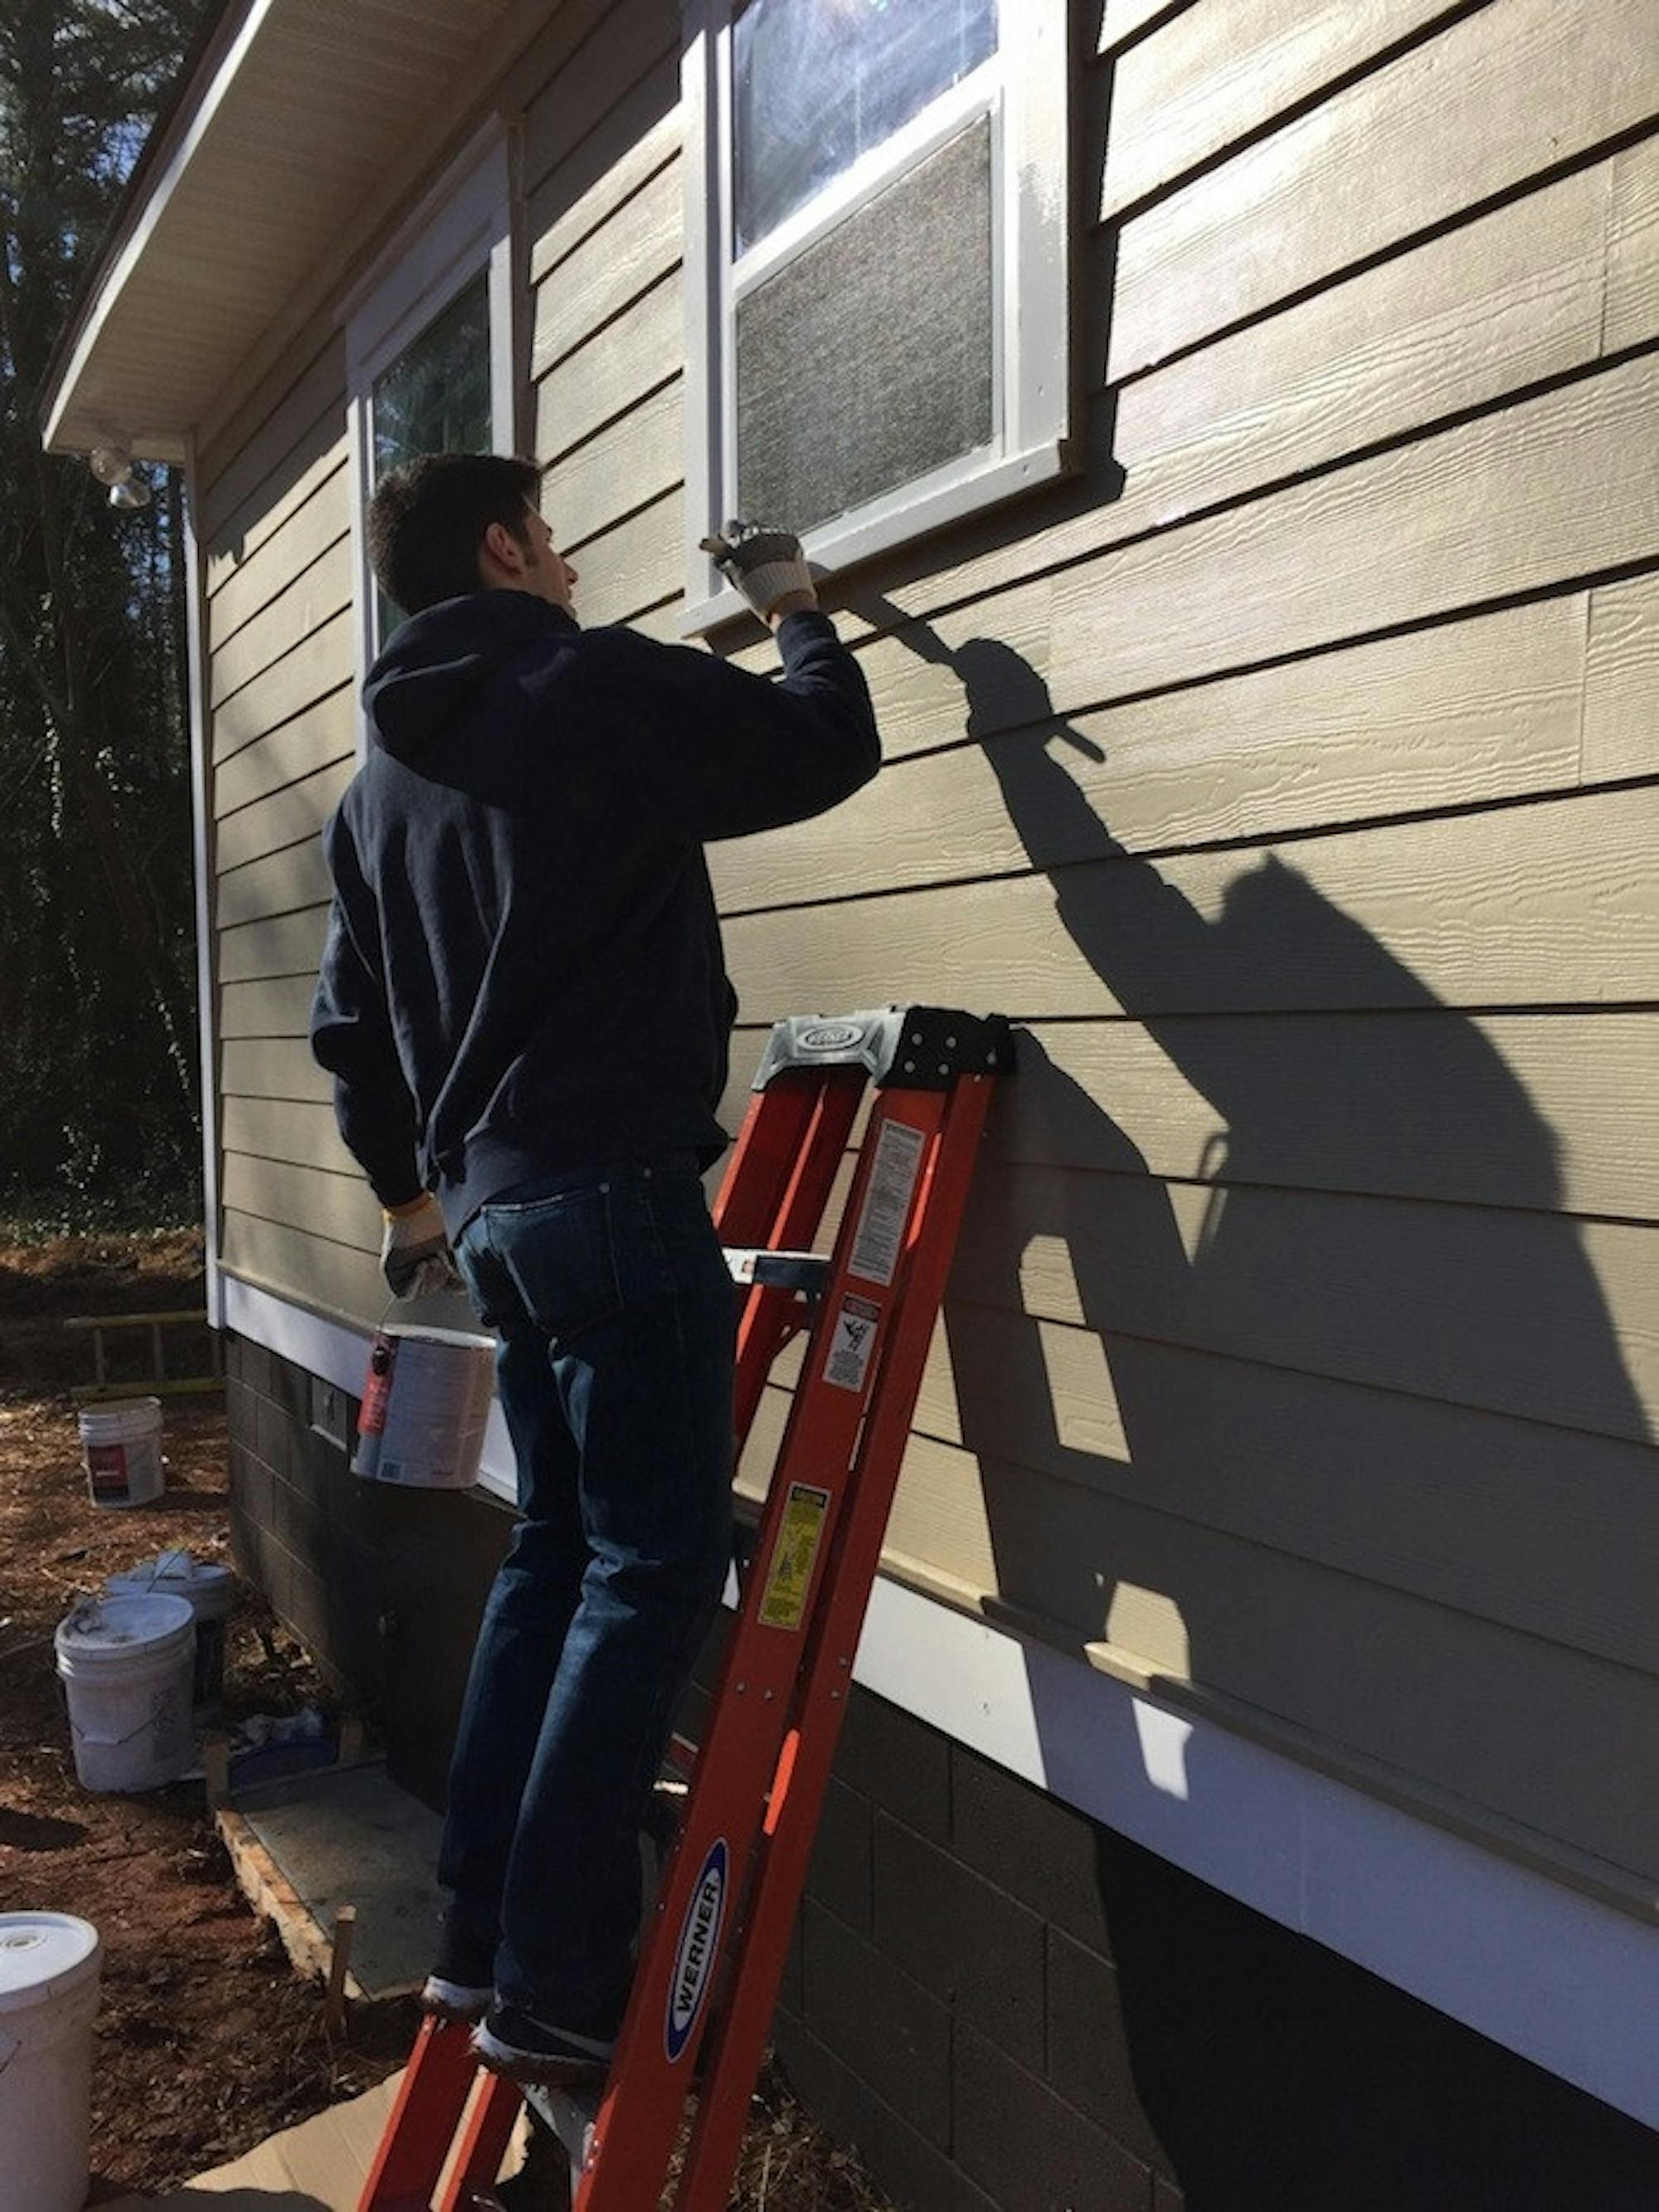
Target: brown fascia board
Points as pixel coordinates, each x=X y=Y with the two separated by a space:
x=221 y=25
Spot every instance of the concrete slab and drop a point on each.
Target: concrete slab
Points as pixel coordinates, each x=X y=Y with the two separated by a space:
x=343 y=1835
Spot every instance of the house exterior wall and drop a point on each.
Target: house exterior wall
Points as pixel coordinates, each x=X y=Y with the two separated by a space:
x=1002 y=2005
x=1289 y=773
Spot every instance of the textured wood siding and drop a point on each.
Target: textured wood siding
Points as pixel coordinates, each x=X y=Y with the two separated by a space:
x=601 y=181
x=1290 y=773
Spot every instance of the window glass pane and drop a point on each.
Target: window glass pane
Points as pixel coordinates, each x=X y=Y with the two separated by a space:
x=818 y=83
x=866 y=359
x=434 y=399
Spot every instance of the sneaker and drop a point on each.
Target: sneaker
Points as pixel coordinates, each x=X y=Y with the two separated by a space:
x=462 y=1983
x=508 y=2040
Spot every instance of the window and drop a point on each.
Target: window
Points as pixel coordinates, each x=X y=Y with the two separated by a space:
x=429 y=348
x=877 y=221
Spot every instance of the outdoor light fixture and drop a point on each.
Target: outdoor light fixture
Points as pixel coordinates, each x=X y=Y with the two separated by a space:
x=113 y=465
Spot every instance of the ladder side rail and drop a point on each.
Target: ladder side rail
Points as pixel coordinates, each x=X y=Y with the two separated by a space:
x=484 y=2142
x=737 y=1762
x=771 y=1317
x=763 y=1157
x=418 y=2135
x=760 y=1947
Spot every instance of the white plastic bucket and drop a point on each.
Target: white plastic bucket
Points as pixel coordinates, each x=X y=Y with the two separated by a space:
x=126 y=1664
x=209 y=1590
x=49 y=1965
x=121 y=1451
x=425 y=1404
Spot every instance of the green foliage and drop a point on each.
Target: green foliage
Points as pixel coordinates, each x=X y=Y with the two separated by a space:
x=97 y=1024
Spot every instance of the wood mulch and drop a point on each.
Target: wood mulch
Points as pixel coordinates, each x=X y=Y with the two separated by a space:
x=206 y=2041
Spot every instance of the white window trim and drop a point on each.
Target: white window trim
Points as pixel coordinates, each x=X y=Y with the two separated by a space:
x=463 y=226
x=1023 y=91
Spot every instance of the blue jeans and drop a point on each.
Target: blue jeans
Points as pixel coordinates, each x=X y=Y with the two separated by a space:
x=617 y=1317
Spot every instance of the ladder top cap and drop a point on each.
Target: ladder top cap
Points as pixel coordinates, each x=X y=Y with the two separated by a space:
x=902 y=1048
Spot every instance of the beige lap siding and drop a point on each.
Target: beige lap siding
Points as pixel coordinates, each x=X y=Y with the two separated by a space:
x=1303 y=1352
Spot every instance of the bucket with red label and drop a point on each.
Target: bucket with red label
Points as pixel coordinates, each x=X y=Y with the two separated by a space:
x=121 y=1451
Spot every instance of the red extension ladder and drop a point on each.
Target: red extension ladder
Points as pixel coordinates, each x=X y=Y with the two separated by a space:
x=713 y=1952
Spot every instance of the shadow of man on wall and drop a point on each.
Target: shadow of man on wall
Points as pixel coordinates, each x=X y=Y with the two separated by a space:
x=1295 y=1478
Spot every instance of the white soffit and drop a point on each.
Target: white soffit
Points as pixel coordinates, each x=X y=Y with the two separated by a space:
x=298 y=117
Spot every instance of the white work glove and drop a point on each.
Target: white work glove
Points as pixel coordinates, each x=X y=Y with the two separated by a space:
x=766 y=565
x=415 y=1254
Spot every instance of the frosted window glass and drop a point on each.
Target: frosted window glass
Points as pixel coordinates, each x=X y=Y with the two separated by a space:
x=818 y=83
x=866 y=361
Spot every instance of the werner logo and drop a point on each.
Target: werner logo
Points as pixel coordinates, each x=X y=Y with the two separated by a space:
x=695 y=1956
x=831 y=1037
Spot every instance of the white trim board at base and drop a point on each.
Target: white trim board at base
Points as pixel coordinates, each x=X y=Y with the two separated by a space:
x=1565 y=1981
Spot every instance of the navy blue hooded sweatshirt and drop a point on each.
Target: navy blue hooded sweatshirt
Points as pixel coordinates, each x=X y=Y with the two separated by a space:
x=523 y=974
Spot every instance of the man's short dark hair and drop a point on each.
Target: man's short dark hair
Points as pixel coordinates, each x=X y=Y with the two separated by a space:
x=426 y=520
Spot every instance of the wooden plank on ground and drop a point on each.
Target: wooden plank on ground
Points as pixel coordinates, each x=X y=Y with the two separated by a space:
x=1506 y=93
x=1449 y=716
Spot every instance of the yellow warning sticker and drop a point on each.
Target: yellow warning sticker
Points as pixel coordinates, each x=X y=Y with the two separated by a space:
x=783 y=1603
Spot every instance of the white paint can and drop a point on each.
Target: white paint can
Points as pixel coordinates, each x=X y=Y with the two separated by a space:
x=426 y=1402
x=49 y=1967
x=127 y=1663
x=121 y=1451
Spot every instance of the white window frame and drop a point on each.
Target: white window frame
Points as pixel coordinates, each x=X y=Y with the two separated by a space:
x=1023 y=89
x=463 y=226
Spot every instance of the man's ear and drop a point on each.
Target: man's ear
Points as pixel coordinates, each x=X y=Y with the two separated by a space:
x=500 y=549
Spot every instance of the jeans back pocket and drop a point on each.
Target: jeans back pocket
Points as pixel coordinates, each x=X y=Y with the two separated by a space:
x=559 y=1253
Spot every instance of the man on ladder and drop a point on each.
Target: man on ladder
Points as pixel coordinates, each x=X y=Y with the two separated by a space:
x=524 y=1004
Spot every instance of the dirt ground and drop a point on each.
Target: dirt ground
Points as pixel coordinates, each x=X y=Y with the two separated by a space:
x=207 y=2042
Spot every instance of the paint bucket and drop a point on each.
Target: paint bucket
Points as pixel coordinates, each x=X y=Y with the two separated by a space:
x=426 y=1401
x=121 y=1451
x=49 y=1965
x=209 y=1590
x=126 y=1664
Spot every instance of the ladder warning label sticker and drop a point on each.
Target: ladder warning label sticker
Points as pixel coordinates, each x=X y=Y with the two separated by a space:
x=851 y=1343
x=783 y=1603
x=887 y=1202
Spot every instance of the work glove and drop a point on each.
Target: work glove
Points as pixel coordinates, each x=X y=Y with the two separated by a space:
x=415 y=1254
x=766 y=565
